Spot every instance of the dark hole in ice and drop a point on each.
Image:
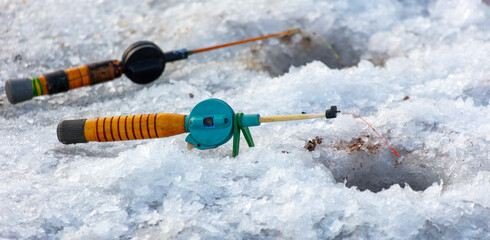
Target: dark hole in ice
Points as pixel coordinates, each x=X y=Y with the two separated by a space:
x=376 y=175
x=303 y=48
x=372 y=167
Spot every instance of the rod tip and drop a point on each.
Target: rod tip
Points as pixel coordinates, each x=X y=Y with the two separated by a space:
x=332 y=112
x=293 y=31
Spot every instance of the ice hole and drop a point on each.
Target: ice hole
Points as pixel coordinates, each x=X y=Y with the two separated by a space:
x=375 y=172
x=337 y=49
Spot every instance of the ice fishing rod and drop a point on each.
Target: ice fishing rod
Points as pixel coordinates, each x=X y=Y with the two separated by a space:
x=210 y=124
x=142 y=62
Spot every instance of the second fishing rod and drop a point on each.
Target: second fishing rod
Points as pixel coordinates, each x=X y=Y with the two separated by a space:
x=142 y=62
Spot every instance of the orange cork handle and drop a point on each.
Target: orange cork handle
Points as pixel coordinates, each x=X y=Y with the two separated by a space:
x=19 y=90
x=64 y=80
x=94 y=73
x=134 y=127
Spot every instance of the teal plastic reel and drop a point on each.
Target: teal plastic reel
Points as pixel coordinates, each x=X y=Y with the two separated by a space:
x=213 y=122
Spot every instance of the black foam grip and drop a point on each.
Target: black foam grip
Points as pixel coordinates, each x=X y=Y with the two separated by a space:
x=72 y=131
x=57 y=82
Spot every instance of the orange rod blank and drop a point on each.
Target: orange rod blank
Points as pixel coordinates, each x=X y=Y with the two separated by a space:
x=288 y=32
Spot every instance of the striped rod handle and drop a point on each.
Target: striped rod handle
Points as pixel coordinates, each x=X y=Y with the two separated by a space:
x=19 y=90
x=132 y=127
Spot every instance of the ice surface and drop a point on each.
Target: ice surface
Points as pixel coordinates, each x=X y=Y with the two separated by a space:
x=417 y=70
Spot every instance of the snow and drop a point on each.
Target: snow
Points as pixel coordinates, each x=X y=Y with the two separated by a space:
x=416 y=70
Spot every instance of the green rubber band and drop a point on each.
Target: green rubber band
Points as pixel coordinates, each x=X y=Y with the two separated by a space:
x=34 y=89
x=40 y=86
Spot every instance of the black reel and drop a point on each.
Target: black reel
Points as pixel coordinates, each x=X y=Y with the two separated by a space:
x=143 y=62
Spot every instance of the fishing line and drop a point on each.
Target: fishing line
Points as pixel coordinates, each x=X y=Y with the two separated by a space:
x=330 y=47
x=393 y=150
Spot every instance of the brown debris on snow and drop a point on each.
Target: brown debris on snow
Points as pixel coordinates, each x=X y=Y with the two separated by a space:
x=311 y=144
